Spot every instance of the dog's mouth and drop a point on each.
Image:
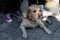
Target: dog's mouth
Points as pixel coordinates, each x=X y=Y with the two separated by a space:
x=33 y=18
x=36 y=17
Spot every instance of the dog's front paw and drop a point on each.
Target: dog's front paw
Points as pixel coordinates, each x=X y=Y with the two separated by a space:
x=24 y=35
x=48 y=31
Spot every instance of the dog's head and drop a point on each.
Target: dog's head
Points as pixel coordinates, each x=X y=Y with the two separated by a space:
x=32 y=12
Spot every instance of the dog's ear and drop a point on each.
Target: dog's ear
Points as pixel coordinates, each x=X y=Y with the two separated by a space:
x=26 y=12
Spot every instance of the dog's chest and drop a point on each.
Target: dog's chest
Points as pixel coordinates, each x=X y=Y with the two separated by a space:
x=31 y=24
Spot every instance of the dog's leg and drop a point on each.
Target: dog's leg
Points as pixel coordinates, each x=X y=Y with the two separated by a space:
x=44 y=27
x=24 y=31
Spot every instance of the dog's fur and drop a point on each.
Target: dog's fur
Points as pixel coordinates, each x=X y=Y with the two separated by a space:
x=31 y=18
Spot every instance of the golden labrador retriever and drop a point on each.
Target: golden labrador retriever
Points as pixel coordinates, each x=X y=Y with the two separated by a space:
x=31 y=18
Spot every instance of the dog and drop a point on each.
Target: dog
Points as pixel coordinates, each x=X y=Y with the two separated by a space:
x=31 y=18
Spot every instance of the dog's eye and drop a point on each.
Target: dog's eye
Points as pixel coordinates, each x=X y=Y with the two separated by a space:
x=40 y=10
x=34 y=11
